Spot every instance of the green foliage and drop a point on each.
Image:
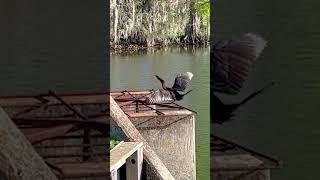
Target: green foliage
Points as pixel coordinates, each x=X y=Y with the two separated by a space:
x=140 y=3
x=203 y=7
x=156 y=21
x=113 y=143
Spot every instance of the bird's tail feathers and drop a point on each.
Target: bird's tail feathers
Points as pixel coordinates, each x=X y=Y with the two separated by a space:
x=187 y=92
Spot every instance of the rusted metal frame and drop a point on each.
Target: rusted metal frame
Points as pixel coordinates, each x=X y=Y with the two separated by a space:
x=32 y=108
x=68 y=146
x=29 y=110
x=43 y=104
x=102 y=128
x=62 y=130
x=249 y=150
x=75 y=162
x=169 y=124
x=38 y=123
x=163 y=126
x=86 y=137
x=61 y=117
x=144 y=110
x=136 y=103
x=157 y=111
x=168 y=105
x=56 y=131
x=132 y=101
x=117 y=98
x=86 y=140
x=143 y=122
x=121 y=94
x=90 y=116
x=47 y=156
x=163 y=108
x=67 y=105
x=63 y=94
x=21 y=113
x=52 y=166
x=76 y=137
x=40 y=136
x=185 y=108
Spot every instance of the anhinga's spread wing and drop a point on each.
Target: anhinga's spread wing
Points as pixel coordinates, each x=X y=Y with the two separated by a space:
x=232 y=60
x=159 y=96
x=181 y=81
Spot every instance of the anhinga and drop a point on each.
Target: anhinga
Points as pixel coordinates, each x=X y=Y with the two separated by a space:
x=167 y=94
x=230 y=64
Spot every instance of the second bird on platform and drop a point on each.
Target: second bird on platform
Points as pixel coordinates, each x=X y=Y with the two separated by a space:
x=170 y=94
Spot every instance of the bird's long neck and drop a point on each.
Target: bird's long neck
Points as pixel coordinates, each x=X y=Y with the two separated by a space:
x=162 y=82
x=164 y=85
x=177 y=95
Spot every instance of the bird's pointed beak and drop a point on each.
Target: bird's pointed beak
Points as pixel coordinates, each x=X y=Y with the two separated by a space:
x=158 y=77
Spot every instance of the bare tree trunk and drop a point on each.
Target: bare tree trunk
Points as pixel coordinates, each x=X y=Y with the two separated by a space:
x=133 y=15
x=191 y=30
x=115 y=23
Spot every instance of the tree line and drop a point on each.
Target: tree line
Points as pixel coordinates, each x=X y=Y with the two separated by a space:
x=149 y=23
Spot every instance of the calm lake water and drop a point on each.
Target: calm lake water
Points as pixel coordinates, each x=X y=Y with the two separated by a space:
x=284 y=121
x=137 y=72
x=52 y=45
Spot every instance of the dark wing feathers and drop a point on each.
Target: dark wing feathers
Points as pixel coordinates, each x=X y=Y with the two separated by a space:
x=181 y=81
x=231 y=62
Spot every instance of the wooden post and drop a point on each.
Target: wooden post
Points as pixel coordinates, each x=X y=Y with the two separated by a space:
x=134 y=165
x=115 y=175
x=130 y=154
x=18 y=159
x=131 y=132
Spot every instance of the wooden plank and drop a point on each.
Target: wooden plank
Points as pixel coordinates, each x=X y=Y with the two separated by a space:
x=131 y=132
x=18 y=159
x=71 y=99
x=120 y=153
x=134 y=165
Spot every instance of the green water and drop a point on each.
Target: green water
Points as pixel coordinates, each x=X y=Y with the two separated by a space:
x=137 y=72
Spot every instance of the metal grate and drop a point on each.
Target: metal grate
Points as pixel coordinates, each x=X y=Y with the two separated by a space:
x=67 y=131
x=133 y=101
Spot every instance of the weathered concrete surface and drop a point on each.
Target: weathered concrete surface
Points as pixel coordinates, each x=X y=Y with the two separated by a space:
x=173 y=139
x=18 y=159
